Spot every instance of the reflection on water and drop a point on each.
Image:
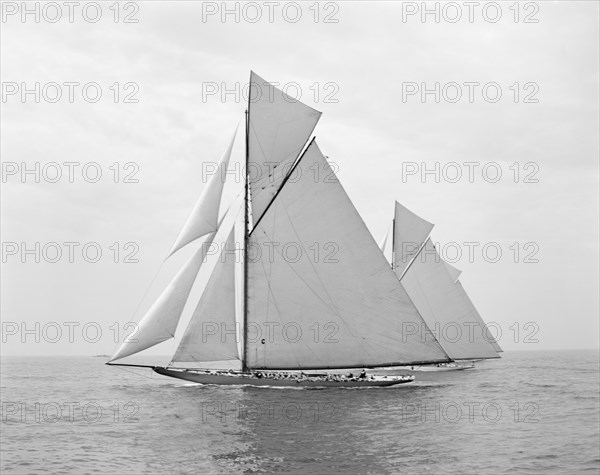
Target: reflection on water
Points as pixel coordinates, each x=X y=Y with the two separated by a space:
x=529 y=412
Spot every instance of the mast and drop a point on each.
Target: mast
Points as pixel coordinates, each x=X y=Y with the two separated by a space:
x=246 y=227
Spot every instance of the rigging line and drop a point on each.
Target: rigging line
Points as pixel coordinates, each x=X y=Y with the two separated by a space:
x=284 y=181
x=218 y=257
x=133 y=372
x=148 y=289
x=231 y=143
x=213 y=234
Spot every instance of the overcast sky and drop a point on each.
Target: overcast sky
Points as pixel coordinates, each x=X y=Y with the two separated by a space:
x=357 y=64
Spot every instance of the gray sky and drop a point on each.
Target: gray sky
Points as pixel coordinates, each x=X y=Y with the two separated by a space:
x=174 y=55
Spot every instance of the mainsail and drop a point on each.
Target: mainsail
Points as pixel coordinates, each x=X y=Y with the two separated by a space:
x=279 y=127
x=325 y=290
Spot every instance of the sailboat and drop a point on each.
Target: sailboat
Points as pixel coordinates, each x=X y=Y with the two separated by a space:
x=433 y=286
x=300 y=293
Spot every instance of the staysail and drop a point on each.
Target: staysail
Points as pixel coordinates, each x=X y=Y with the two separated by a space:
x=410 y=232
x=441 y=305
x=320 y=292
x=204 y=217
x=212 y=333
x=279 y=127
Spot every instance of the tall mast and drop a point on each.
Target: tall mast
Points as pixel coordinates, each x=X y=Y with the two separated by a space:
x=246 y=228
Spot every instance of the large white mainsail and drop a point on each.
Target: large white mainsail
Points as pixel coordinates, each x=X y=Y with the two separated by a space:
x=410 y=232
x=279 y=127
x=441 y=305
x=205 y=215
x=212 y=333
x=320 y=292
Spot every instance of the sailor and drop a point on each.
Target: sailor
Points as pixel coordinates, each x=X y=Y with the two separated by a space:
x=363 y=374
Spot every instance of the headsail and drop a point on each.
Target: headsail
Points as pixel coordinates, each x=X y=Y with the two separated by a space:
x=205 y=215
x=212 y=333
x=441 y=305
x=320 y=292
x=410 y=232
x=160 y=322
x=488 y=335
x=279 y=127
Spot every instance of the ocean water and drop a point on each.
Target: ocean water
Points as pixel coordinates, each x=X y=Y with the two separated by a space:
x=530 y=412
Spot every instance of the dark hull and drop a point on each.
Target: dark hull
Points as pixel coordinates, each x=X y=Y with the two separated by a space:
x=251 y=380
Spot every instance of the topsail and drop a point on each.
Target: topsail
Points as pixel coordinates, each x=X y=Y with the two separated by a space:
x=279 y=127
x=410 y=232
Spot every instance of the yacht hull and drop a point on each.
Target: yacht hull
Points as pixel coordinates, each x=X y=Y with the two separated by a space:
x=251 y=380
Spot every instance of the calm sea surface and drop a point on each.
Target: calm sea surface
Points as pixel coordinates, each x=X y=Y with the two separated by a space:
x=530 y=412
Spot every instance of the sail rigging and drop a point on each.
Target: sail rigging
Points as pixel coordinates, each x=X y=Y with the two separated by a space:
x=435 y=294
x=488 y=334
x=278 y=128
x=410 y=232
x=313 y=290
x=205 y=215
x=212 y=333
x=348 y=293
x=160 y=321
